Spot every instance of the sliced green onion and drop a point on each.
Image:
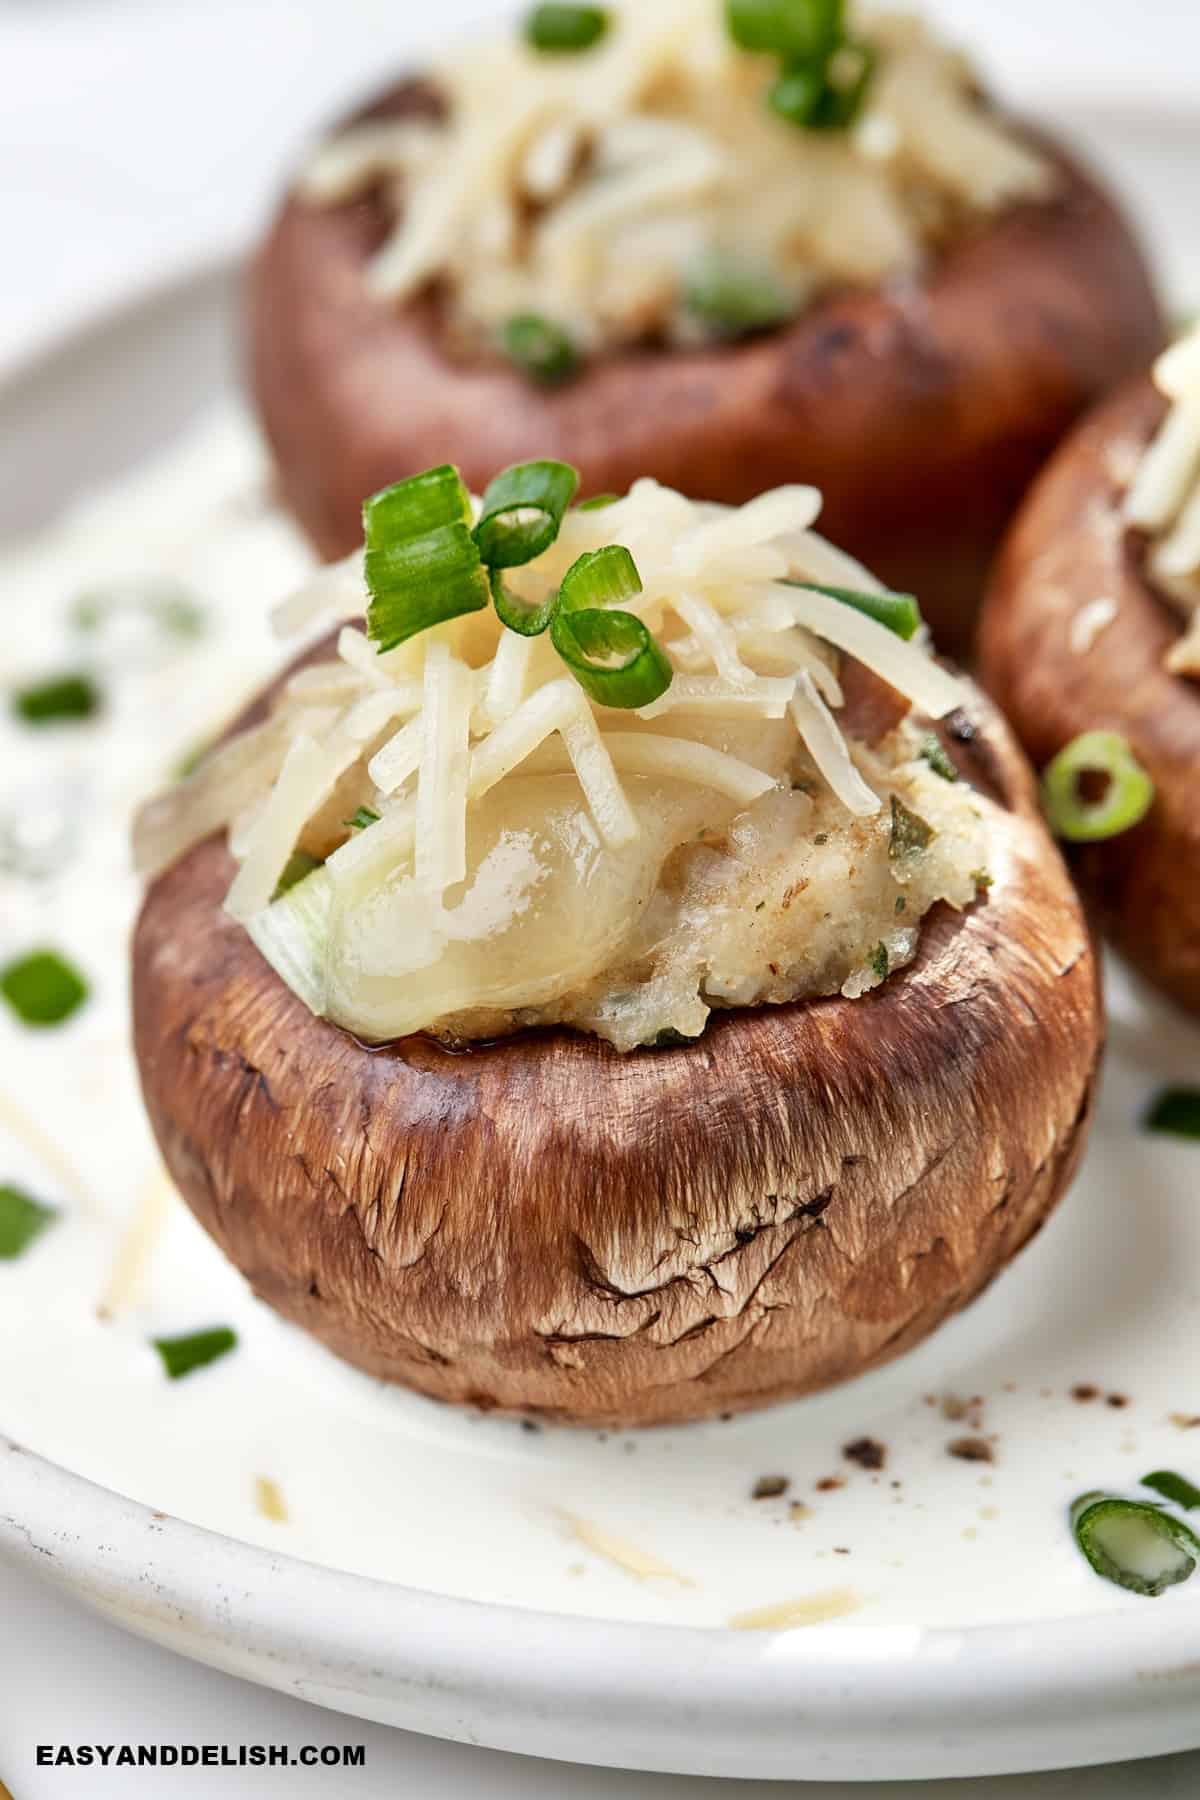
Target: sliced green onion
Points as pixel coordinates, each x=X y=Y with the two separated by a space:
x=1134 y=1543
x=934 y=753
x=790 y=28
x=910 y=833
x=600 y=578
x=799 y=92
x=299 y=866
x=1175 y=1112
x=611 y=654
x=362 y=819
x=22 y=1219
x=414 y=508
x=523 y=512
x=881 y=962
x=1176 y=1488
x=541 y=349
x=63 y=697
x=598 y=502
x=1127 y=797
x=558 y=27
x=732 y=299
x=899 y=612
x=180 y=1355
x=42 y=988
x=840 y=102
x=416 y=583
x=526 y=617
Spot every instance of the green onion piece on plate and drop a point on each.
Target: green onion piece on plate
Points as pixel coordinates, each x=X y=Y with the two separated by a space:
x=552 y=28
x=933 y=752
x=1175 y=1112
x=899 y=612
x=414 y=508
x=22 y=1219
x=523 y=511
x=180 y=1355
x=299 y=866
x=1176 y=1488
x=789 y=28
x=528 y=618
x=42 y=988
x=1126 y=791
x=1134 y=1543
x=363 y=818
x=65 y=697
x=733 y=299
x=416 y=583
x=541 y=349
x=611 y=654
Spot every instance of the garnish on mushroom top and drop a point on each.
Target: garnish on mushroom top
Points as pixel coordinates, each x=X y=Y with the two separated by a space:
x=598 y=765
x=1164 y=500
x=676 y=170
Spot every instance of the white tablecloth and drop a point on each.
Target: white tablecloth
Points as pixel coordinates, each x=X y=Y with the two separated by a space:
x=137 y=137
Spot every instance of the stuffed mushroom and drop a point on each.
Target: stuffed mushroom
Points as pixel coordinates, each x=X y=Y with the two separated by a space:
x=628 y=981
x=1091 y=643
x=722 y=246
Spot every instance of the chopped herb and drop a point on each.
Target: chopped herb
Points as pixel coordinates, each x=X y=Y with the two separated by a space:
x=556 y=28
x=789 y=28
x=42 y=988
x=598 y=502
x=64 y=697
x=1176 y=1488
x=1175 y=1113
x=362 y=818
x=190 y=761
x=611 y=653
x=733 y=300
x=22 y=1219
x=541 y=349
x=822 y=837
x=1134 y=1543
x=181 y=1355
x=299 y=866
x=910 y=833
x=880 y=962
x=898 y=613
x=901 y=903
x=982 y=879
x=523 y=511
x=934 y=754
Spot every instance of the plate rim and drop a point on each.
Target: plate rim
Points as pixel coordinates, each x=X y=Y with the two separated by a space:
x=875 y=1701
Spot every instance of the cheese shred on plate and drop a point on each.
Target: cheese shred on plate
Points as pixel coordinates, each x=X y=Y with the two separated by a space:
x=646 y=188
x=1164 y=500
x=489 y=848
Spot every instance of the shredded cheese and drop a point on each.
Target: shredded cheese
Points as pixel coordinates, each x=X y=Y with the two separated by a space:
x=1164 y=498
x=592 y=188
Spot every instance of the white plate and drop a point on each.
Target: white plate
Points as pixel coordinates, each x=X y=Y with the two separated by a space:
x=485 y=1590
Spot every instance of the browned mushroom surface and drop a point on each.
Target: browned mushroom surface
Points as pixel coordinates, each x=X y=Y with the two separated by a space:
x=1070 y=549
x=543 y=1225
x=922 y=409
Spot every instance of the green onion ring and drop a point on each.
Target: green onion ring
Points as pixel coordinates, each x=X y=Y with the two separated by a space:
x=1173 y=1487
x=1125 y=802
x=524 y=617
x=413 y=508
x=542 y=350
x=789 y=28
x=612 y=655
x=552 y=28
x=1121 y=1539
x=523 y=511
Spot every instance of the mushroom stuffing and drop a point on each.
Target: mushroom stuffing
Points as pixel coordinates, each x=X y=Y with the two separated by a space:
x=620 y=829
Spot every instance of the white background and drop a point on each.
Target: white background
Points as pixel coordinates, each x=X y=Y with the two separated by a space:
x=137 y=137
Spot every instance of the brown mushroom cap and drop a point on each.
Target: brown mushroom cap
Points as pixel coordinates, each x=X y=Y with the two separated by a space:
x=922 y=410
x=1068 y=548
x=544 y=1226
